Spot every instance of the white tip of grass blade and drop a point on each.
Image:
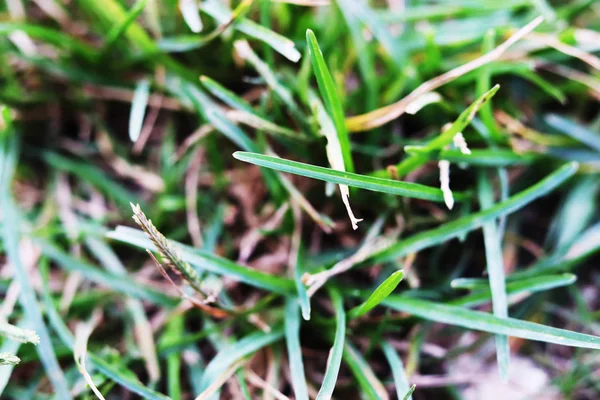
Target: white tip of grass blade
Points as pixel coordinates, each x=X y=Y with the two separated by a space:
x=444 y=166
x=190 y=12
x=346 y=199
x=461 y=143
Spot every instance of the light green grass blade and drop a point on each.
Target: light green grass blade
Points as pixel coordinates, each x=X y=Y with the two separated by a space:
x=524 y=286
x=10 y=347
x=478 y=157
x=11 y=227
x=210 y=262
x=118 y=30
x=481 y=321
x=372 y=387
x=328 y=91
x=406 y=189
x=226 y=95
x=292 y=340
x=280 y=44
x=335 y=355
x=574 y=130
x=398 y=372
x=112 y=281
x=118 y=373
x=382 y=291
x=234 y=352
x=138 y=109
x=445 y=138
x=495 y=268
x=468 y=223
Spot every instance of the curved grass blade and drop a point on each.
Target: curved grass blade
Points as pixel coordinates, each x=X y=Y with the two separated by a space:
x=398 y=372
x=209 y=262
x=292 y=340
x=371 y=386
x=481 y=321
x=191 y=14
x=382 y=291
x=330 y=96
x=521 y=287
x=495 y=268
x=389 y=186
x=138 y=109
x=10 y=235
x=468 y=223
x=240 y=349
x=335 y=354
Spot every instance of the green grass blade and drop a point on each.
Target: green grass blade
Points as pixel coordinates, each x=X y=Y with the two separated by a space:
x=371 y=386
x=409 y=392
x=280 y=44
x=478 y=157
x=520 y=287
x=328 y=91
x=398 y=371
x=413 y=190
x=481 y=321
x=10 y=234
x=292 y=339
x=112 y=281
x=335 y=355
x=138 y=109
x=226 y=95
x=495 y=268
x=468 y=223
x=118 y=30
x=234 y=352
x=574 y=130
x=118 y=373
x=382 y=291
x=445 y=138
x=210 y=262
x=95 y=176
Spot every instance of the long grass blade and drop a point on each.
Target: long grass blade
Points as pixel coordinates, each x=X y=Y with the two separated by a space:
x=292 y=339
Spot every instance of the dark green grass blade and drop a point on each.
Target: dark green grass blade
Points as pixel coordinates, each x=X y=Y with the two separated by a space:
x=330 y=97
x=335 y=356
x=292 y=339
x=210 y=262
x=389 y=186
x=485 y=322
x=468 y=223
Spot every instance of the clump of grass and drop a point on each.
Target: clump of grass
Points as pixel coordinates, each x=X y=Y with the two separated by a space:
x=464 y=134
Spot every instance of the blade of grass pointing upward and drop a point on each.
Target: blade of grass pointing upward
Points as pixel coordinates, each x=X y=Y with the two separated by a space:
x=335 y=354
x=495 y=268
x=330 y=96
x=382 y=291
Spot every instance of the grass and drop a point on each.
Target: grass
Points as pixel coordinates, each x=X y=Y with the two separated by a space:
x=223 y=129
